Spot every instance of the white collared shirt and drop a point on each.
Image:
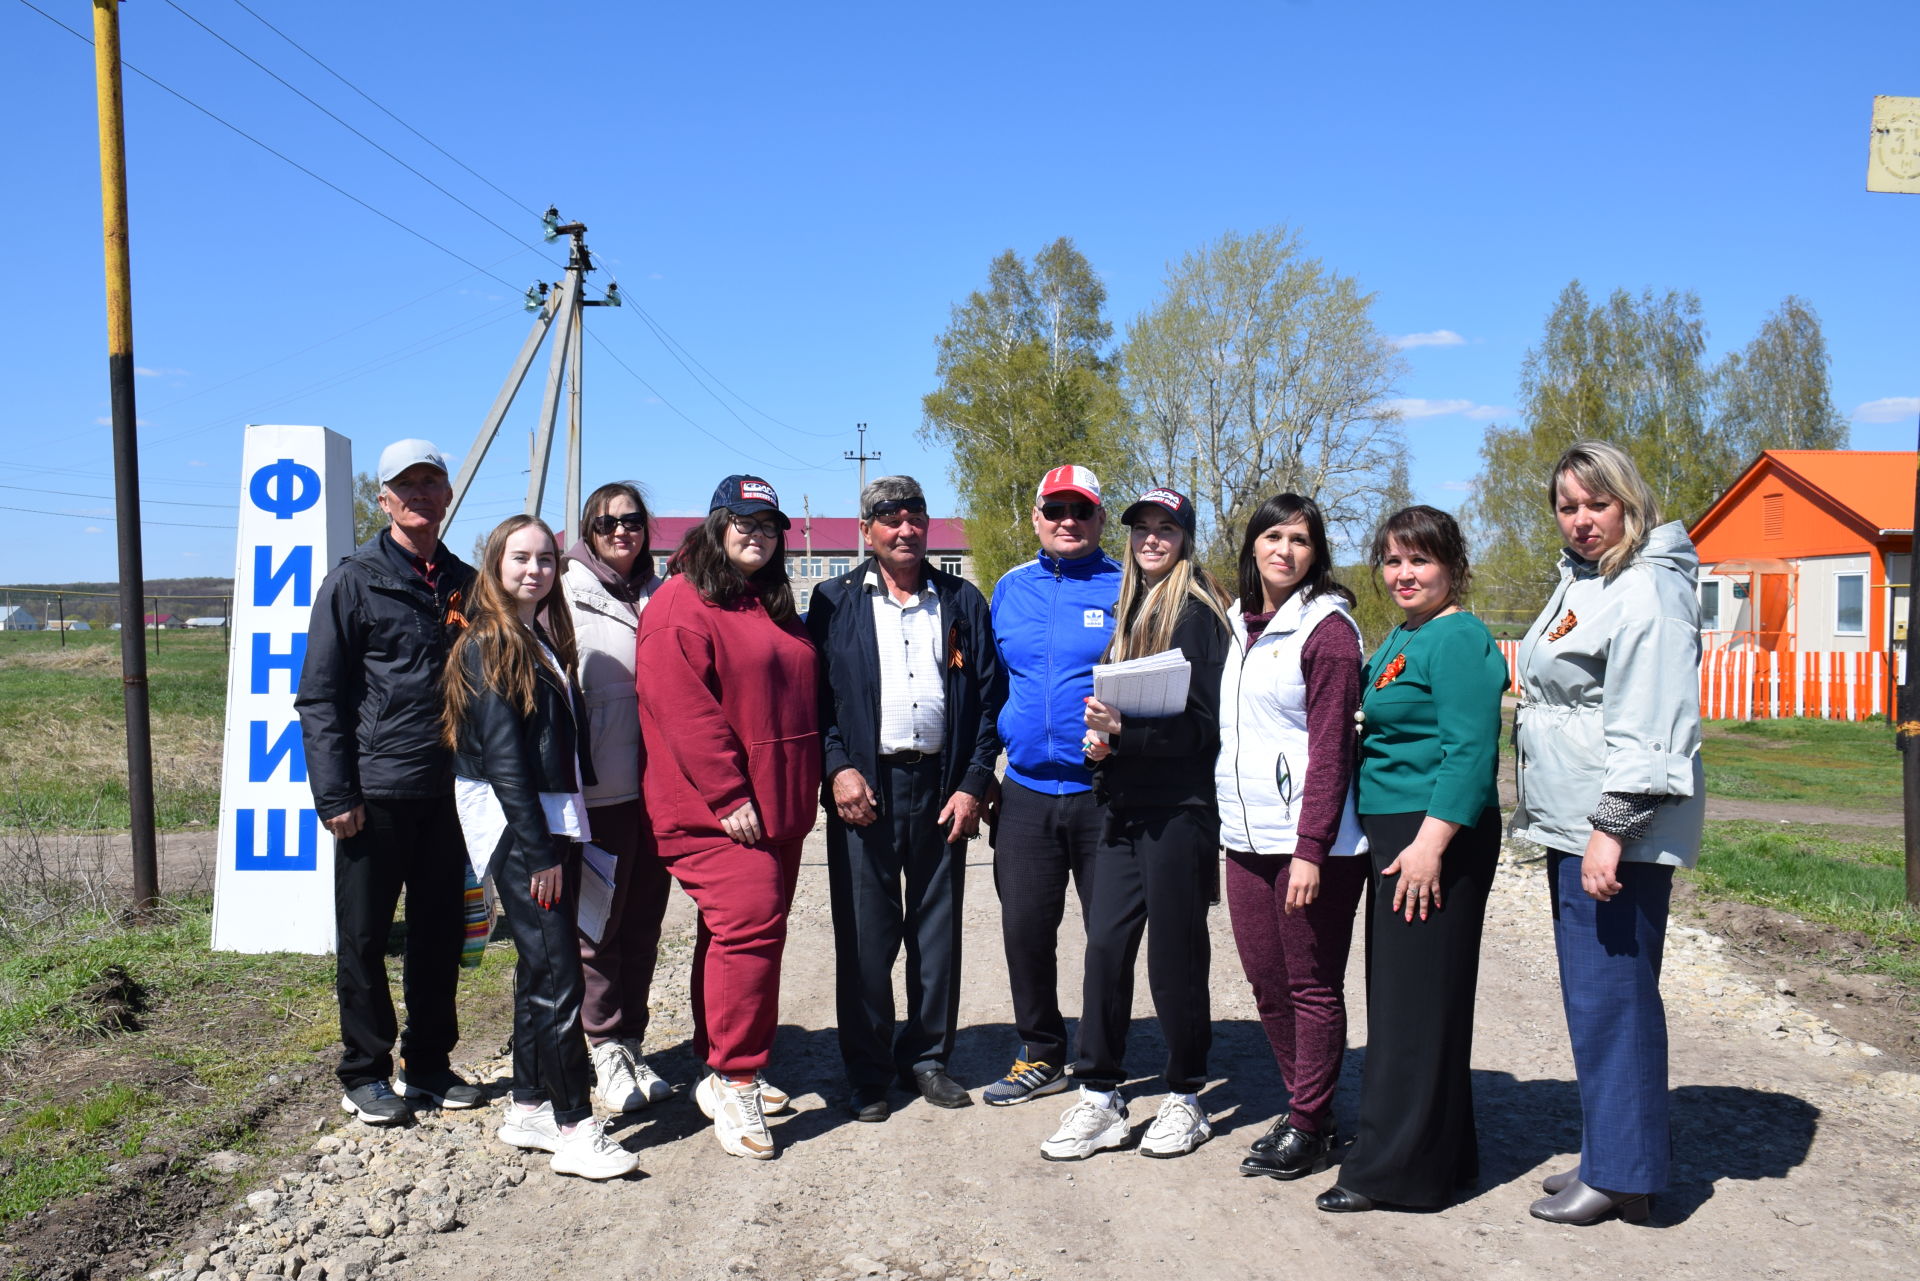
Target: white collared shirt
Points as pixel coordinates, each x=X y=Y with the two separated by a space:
x=912 y=645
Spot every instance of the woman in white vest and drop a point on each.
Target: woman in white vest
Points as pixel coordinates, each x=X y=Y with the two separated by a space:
x=1288 y=751
x=609 y=577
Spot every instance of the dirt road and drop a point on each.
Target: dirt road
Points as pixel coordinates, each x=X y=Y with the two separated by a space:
x=1798 y=1151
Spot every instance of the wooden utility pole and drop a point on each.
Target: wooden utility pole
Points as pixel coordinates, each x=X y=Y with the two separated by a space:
x=126 y=451
x=1893 y=164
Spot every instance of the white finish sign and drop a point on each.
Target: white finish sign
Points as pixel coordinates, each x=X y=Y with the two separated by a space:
x=273 y=882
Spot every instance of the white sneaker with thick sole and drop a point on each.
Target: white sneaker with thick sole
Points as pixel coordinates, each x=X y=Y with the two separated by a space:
x=1087 y=1127
x=739 y=1121
x=533 y=1129
x=773 y=1099
x=1178 y=1128
x=652 y=1086
x=622 y=1079
x=589 y=1153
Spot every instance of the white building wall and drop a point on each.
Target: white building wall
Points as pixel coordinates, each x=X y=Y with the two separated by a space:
x=1818 y=598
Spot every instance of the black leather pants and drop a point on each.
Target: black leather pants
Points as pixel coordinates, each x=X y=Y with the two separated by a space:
x=549 y=1044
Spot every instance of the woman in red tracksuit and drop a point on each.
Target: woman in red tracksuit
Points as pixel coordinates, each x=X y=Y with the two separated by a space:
x=726 y=679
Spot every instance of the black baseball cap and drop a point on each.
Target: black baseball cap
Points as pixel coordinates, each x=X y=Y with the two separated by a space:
x=748 y=496
x=1173 y=502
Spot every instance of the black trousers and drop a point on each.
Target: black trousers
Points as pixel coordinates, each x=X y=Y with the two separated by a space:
x=1042 y=841
x=549 y=1043
x=867 y=869
x=1415 y=1143
x=413 y=845
x=1156 y=876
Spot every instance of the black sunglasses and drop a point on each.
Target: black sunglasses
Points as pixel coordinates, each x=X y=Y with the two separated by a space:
x=1060 y=511
x=897 y=507
x=632 y=522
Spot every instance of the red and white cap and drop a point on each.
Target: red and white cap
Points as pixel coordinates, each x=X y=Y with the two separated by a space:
x=1070 y=479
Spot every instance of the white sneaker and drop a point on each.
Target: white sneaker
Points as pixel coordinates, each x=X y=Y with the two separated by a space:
x=622 y=1078
x=1178 y=1128
x=1087 y=1127
x=739 y=1121
x=652 y=1086
x=589 y=1153
x=532 y=1129
x=773 y=1099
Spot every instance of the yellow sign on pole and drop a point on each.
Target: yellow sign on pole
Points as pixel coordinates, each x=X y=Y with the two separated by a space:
x=1893 y=159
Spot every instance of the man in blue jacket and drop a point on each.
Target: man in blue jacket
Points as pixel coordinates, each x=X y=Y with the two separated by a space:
x=910 y=691
x=1052 y=618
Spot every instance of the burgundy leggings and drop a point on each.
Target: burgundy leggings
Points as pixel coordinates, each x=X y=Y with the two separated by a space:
x=1297 y=965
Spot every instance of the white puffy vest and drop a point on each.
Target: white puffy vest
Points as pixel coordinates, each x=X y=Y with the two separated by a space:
x=1261 y=775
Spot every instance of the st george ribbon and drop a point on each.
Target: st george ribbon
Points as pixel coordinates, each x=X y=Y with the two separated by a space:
x=273 y=881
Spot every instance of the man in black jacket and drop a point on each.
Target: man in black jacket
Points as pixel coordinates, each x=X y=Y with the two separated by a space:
x=369 y=703
x=910 y=695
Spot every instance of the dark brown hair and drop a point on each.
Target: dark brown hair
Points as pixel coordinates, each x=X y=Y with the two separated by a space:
x=509 y=661
x=601 y=499
x=1283 y=509
x=1433 y=534
x=703 y=559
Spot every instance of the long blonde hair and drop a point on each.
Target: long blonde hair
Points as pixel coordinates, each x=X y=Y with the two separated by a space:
x=1149 y=615
x=509 y=657
x=1602 y=467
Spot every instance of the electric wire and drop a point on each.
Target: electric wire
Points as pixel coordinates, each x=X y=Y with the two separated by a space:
x=390 y=115
x=174 y=524
x=670 y=342
x=166 y=502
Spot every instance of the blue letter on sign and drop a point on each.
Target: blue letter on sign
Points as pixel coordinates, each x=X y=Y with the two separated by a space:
x=263 y=757
x=276 y=859
x=284 y=488
x=269 y=583
x=265 y=661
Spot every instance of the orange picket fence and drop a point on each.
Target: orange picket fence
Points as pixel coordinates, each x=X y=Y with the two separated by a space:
x=1750 y=685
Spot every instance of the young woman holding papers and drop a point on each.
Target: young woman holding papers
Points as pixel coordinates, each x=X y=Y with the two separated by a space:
x=1154 y=774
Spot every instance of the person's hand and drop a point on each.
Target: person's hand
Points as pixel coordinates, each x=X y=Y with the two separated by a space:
x=348 y=824
x=1600 y=867
x=1303 y=885
x=742 y=826
x=1100 y=717
x=853 y=800
x=963 y=813
x=1418 y=868
x=548 y=883
x=1095 y=749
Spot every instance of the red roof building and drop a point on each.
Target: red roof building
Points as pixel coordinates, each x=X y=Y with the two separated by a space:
x=823 y=547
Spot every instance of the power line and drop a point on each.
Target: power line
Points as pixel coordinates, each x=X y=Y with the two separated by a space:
x=166 y=502
x=349 y=128
x=390 y=115
x=176 y=524
x=278 y=155
x=664 y=338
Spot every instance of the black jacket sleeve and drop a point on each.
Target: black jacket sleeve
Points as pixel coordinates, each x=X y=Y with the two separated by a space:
x=823 y=612
x=1195 y=731
x=990 y=680
x=331 y=684
x=501 y=740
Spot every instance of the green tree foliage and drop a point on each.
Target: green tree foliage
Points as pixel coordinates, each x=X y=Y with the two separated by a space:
x=1259 y=371
x=368 y=519
x=1776 y=394
x=1632 y=370
x=1027 y=382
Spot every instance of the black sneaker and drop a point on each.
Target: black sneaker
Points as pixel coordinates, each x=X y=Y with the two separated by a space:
x=376 y=1104
x=1025 y=1080
x=1293 y=1155
x=443 y=1086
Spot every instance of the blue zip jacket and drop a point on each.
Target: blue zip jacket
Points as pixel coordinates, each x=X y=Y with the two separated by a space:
x=1051 y=622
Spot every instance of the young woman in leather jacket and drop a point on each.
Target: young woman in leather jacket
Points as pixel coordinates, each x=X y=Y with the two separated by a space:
x=515 y=722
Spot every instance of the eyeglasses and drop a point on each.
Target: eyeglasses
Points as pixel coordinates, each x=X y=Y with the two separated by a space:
x=632 y=522
x=747 y=527
x=1057 y=512
x=899 y=511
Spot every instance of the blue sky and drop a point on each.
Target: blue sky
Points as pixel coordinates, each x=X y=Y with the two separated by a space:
x=798 y=195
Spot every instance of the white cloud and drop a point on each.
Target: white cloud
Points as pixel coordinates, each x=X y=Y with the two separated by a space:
x=1487 y=413
x=1433 y=338
x=1457 y=486
x=1417 y=407
x=1887 y=409
x=144 y=372
x=91 y=529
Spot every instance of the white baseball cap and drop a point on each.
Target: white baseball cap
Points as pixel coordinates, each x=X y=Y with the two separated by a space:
x=1070 y=479
x=402 y=454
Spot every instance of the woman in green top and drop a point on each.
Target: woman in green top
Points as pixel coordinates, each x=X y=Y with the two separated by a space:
x=1429 y=747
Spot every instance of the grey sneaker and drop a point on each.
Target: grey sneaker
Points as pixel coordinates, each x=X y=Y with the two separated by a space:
x=443 y=1086
x=1023 y=1081
x=376 y=1104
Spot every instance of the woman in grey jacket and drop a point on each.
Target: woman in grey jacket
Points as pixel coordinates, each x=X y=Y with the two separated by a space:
x=1610 y=783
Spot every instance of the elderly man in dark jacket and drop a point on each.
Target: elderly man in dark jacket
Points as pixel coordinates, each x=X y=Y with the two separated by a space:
x=909 y=698
x=369 y=703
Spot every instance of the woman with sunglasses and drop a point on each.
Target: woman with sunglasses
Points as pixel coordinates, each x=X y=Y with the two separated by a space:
x=513 y=719
x=609 y=579
x=1285 y=779
x=1154 y=775
x=729 y=712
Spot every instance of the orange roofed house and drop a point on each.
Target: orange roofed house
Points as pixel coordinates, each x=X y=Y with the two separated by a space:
x=1808 y=553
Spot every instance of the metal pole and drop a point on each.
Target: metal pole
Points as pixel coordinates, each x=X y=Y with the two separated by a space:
x=62 y=598
x=550 y=402
x=126 y=452
x=571 y=512
x=1908 y=736
x=470 y=466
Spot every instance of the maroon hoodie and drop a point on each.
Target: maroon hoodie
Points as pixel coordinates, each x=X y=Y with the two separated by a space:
x=729 y=714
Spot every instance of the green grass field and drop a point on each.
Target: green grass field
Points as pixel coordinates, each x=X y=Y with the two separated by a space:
x=1846 y=764
x=63 y=738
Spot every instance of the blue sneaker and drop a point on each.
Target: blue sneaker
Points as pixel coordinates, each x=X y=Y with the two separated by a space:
x=1023 y=1081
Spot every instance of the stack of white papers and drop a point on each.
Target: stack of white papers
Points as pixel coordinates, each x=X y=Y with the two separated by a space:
x=1151 y=686
x=596 y=890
